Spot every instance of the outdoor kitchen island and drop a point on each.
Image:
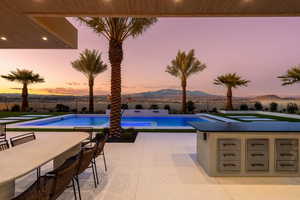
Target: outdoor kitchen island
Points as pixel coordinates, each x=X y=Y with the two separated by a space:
x=248 y=148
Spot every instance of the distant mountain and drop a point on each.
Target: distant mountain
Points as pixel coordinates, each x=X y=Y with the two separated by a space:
x=170 y=93
x=268 y=97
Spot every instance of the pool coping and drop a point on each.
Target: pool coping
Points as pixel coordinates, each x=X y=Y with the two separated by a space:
x=207 y=117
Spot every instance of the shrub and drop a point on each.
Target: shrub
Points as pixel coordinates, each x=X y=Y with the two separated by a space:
x=16 y=108
x=258 y=105
x=190 y=106
x=292 y=108
x=154 y=107
x=62 y=108
x=167 y=107
x=273 y=107
x=84 y=109
x=284 y=110
x=244 y=107
x=138 y=106
x=74 y=110
x=124 y=106
x=214 y=110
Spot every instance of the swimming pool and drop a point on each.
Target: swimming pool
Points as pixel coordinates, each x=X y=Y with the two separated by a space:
x=68 y=121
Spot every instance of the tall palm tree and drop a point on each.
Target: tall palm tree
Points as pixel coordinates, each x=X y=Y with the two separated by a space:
x=91 y=65
x=292 y=76
x=116 y=30
x=183 y=66
x=230 y=80
x=25 y=77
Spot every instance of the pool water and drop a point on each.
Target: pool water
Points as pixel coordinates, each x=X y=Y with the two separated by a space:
x=168 y=121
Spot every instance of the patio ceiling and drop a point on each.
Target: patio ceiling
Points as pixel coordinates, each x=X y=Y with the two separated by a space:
x=42 y=24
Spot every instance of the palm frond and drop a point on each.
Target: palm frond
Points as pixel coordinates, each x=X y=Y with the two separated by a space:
x=292 y=76
x=118 y=28
x=89 y=63
x=185 y=65
x=231 y=80
x=23 y=76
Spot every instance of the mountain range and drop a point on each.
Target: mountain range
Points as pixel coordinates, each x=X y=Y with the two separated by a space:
x=163 y=94
x=169 y=93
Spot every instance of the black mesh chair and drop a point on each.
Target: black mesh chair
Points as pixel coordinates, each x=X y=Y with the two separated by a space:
x=40 y=190
x=85 y=161
x=21 y=139
x=63 y=176
x=4 y=145
x=100 y=141
x=2 y=131
x=89 y=130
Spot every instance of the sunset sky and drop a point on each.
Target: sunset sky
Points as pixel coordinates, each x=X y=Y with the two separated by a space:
x=259 y=49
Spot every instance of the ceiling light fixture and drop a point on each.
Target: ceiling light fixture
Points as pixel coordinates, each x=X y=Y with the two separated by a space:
x=3 y=38
x=247 y=1
x=44 y=38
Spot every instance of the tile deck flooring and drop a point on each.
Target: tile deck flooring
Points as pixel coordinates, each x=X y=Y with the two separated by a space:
x=163 y=166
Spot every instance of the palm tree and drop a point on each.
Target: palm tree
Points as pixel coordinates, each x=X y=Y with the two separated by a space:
x=26 y=77
x=183 y=66
x=231 y=80
x=90 y=64
x=116 y=30
x=292 y=76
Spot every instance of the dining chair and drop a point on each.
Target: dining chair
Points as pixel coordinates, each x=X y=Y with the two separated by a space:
x=4 y=145
x=63 y=176
x=3 y=131
x=39 y=190
x=85 y=161
x=89 y=130
x=100 y=141
x=21 y=139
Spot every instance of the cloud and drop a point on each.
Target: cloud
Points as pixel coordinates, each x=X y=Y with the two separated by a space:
x=69 y=91
x=16 y=88
x=73 y=83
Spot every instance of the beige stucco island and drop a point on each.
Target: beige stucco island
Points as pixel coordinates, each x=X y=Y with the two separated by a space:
x=248 y=148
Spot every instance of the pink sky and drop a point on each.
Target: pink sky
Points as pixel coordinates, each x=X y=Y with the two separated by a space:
x=259 y=49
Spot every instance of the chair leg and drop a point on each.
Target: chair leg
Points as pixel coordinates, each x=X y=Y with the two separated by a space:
x=96 y=170
x=38 y=172
x=74 y=189
x=94 y=174
x=78 y=187
x=104 y=159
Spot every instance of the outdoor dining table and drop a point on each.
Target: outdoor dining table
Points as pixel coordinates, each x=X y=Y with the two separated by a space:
x=22 y=159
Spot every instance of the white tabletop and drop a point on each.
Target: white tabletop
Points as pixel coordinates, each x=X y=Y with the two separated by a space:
x=20 y=160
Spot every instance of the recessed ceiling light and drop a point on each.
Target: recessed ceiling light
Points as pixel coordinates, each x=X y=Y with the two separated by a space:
x=177 y=1
x=3 y=38
x=44 y=38
x=247 y=1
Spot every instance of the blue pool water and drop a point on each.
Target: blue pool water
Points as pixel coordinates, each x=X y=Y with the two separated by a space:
x=80 y=120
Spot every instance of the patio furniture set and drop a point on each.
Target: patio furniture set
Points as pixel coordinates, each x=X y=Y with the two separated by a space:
x=66 y=170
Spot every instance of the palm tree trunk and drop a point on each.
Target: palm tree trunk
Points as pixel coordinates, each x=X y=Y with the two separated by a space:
x=24 y=98
x=183 y=85
x=229 y=99
x=91 y=95
x=115 y=58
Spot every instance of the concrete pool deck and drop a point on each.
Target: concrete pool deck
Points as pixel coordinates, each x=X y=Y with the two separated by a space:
x=163 y=166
